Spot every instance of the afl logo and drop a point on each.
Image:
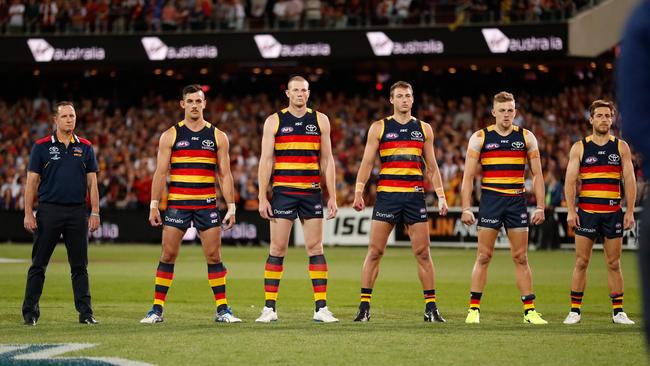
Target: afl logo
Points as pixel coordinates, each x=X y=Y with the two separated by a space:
x=523 y=216
x=518 y=145
x=310 y=128
x=416 y=134
x=213 y=215
x=54 y=150
x=392 y=135
x=207 y=143
x=591 y=159
x=183 y=143
x=492 y=146
x=286 y=129
x=614 y=158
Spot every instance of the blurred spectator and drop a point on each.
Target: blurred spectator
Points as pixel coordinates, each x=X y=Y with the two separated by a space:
x=47 y=11
x=16 y=17
x=168 y=17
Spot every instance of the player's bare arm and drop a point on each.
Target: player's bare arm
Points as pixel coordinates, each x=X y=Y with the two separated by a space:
x=93 y=191
x=535 y=164
x=266 y=165
x=225 y=178
x=160 y=175
x=367 y=162
x=469 y=173
x=327 y=164
x=570 y=182
x=432 y=171
x=629 y=184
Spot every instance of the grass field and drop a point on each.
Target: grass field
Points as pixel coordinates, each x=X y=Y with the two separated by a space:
x=122 y=288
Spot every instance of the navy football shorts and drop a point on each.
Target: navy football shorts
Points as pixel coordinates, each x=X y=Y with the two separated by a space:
x=594 y=225
x=290 y=204
x=496 y=210
x=203 y=219
x=395 y=207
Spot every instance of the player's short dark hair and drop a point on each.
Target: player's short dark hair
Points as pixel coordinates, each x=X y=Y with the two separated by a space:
x=503 y=97
x=400 y=84
x=60 y=104
x=601 y=103
x=296 y=78
x=192 y=88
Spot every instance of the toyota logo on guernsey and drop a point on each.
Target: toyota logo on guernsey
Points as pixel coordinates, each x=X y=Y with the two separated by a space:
x=384 y=46
x=270 y=47
x=43 y=51
x=157 y=50
x=500 y=43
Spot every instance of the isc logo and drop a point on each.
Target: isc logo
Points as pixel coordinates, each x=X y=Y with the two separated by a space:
x=350 y=226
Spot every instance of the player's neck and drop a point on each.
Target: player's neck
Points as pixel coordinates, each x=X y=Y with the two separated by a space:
x=297 y=111
x=600 y=139
x=503 y=131
x=64 y=137
x=402 y=118
x=195 y=124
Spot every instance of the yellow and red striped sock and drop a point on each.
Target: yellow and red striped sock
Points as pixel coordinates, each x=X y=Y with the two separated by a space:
x=164 y=277
x=529 y=303
x=217 y=279
x=366 y=296
x=475 y=300
x=430 y=298
x=617 y=302
x=272 y=276
x=576 y=301
x=318 y=275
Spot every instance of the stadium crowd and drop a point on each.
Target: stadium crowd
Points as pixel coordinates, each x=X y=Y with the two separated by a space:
x=101 y=16
x=126 y=138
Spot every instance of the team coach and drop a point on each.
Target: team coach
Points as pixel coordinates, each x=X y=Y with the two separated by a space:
x=62 y=170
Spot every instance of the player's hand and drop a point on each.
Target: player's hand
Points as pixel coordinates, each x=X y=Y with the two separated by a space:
x=93 y=223
x=442 y=206
x=332 y=209
x=628 y=220
x=358 y=204
x=538 y=217
x=154 y=217
x=467 y=217
x=572 y=219
x=30 y=223
x=229 y=219
x=265 y=209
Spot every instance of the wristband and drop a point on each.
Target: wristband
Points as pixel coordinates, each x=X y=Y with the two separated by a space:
x=153 y=204
x=96 y=214
x=232 y=207
x=440 y=192
x=359 y=187
x=468 y=209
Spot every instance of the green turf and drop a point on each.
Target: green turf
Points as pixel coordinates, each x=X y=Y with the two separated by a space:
x=122 y=288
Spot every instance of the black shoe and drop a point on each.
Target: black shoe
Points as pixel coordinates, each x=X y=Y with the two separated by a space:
x=88 y=320
x=30 y=320
x=363 y=315
x=433 y=316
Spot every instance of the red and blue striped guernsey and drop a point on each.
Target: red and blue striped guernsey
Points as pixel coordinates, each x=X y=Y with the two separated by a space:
x=400 y=152
x=503 y=160
x=192 y=183
x=600 y=174
x=297 y=152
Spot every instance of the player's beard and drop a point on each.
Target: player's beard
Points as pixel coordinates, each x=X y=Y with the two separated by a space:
x=601 y=130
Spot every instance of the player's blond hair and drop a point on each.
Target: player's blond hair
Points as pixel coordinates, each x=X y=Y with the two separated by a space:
x=400 y=84
x=503 y=97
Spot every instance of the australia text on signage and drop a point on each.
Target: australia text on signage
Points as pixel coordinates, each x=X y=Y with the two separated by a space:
x=43 y=51
x=382 y=45
x=498 y=42
x=270 y=47
x=157 y=50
